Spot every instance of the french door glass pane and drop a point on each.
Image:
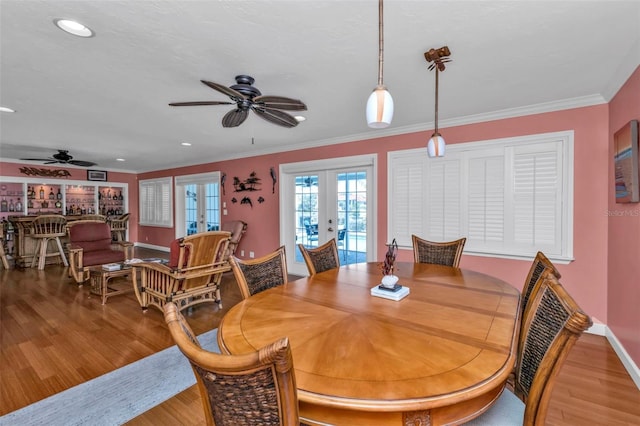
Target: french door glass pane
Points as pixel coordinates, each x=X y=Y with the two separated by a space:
x=352 y=217
x=191 y=208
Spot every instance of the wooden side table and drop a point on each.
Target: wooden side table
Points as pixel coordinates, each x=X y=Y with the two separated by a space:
x=101 y=285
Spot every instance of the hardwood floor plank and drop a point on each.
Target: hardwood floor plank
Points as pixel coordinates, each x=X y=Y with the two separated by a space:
x=55 y=335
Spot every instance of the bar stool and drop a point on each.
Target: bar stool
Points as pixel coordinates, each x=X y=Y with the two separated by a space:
x=119 y=227
x=45 y=228
x=3 y=254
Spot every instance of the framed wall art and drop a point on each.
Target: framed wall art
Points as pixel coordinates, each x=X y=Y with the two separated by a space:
x=625 y=160
x=99 y=175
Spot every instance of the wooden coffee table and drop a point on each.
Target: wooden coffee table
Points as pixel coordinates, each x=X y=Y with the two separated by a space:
x=102 y=285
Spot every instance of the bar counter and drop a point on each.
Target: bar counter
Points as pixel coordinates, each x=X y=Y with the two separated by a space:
x=24 y=246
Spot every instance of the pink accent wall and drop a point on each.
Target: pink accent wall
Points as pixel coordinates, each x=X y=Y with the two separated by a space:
x=586 y=277
x=8 y=170
x=624 y=234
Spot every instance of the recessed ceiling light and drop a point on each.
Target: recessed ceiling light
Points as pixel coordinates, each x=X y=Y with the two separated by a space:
x=185 y=144
x=73 y=27
x=6 y=109
x=300 y=118
x=120 y=159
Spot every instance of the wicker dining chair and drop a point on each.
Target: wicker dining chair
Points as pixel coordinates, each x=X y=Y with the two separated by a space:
x=552 y=325
x=322 y=258
x=44 y=229
x=257 y=388
x=439 y=253
x=256 y=275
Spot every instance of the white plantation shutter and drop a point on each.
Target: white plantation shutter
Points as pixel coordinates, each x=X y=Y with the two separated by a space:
x=509 y=197
x=406 y=199
x=156 y=202
x=485 y=199
x=537 y=197
x=443 y=209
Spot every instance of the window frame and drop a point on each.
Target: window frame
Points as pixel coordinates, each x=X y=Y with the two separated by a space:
x=160 y=213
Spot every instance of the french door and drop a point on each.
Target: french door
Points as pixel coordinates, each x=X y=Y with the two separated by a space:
x=197 y=203
x=328 y=199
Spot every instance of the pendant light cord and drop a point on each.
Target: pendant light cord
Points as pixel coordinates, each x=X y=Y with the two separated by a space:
x=380 y=44
x=436 y=118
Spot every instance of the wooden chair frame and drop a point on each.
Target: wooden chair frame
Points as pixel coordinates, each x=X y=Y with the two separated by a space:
x=441 y=253
x=534 y=385
x=261 y=384
x=197 y=281
x=256 y=275
x=321 y=258
x=551 y=326
x=119 y=227
x=45 y=228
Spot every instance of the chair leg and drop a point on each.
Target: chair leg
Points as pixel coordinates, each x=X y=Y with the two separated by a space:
x=5 y=261
x=64 y=258
x=43 y=253
x=36 y=253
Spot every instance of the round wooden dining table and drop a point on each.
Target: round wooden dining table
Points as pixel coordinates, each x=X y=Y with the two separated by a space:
x=441 y=355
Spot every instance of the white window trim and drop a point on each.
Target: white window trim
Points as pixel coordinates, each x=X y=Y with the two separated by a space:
x=160 y=214
x=566 y=138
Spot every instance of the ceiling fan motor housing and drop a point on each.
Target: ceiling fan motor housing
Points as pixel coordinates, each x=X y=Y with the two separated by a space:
x=245 y=87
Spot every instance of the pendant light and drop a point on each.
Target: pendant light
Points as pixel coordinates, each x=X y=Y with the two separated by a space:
x=436 y=145
x=380 y=103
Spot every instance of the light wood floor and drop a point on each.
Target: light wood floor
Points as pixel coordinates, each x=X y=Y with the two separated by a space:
x=55 y=335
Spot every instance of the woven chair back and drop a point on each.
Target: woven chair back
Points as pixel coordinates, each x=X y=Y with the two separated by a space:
x=439 y=253
x=51 y=225
x=540 y=264
x=257 y=388
x=550 y=329
x=322 y=258
x=256 y=275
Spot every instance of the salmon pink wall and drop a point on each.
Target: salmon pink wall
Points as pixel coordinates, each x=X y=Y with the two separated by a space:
x=586 y=277
x=624 y=234
x=8 y=170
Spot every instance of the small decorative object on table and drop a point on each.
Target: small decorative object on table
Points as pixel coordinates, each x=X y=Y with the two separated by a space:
x=389 y=280
x=389 y=287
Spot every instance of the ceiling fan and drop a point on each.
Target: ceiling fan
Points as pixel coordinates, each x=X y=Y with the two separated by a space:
x=62 y=157
x=247 y=97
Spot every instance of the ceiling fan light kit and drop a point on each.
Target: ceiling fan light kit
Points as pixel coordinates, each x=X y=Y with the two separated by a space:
x=436 y=144
x=379 y=110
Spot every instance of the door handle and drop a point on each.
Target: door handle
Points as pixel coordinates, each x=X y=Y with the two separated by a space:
x=330 y=229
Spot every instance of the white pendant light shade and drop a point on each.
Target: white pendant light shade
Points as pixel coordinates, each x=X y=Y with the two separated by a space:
x=435 y=147
x=379 y=108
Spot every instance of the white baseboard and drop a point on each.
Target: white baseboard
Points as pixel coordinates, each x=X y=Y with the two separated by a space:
x=152 y=247
x=624 y=356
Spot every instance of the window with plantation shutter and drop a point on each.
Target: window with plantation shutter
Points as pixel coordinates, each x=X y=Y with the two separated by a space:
x=508 y=197
x=156 y=202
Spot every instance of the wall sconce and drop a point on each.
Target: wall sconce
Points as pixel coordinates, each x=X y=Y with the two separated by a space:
x=436 y=145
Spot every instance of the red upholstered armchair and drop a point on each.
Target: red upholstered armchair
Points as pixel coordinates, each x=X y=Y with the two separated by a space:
x=90 y=245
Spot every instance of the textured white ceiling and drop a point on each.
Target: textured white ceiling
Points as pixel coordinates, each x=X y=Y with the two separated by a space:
x=106 y=97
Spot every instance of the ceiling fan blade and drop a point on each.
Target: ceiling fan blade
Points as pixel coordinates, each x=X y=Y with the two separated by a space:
x=276 y=117
x=197 y=103
x=82 y=163
x=236 y=96
x=280 y=102
x=53 y=162
x=37 y=159
x=234 y=118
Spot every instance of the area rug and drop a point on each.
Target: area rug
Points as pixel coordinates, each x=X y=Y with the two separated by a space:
x=116 y=397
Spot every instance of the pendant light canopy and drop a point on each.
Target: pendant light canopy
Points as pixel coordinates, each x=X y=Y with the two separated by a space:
x=380 y=103
x=436 y=145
